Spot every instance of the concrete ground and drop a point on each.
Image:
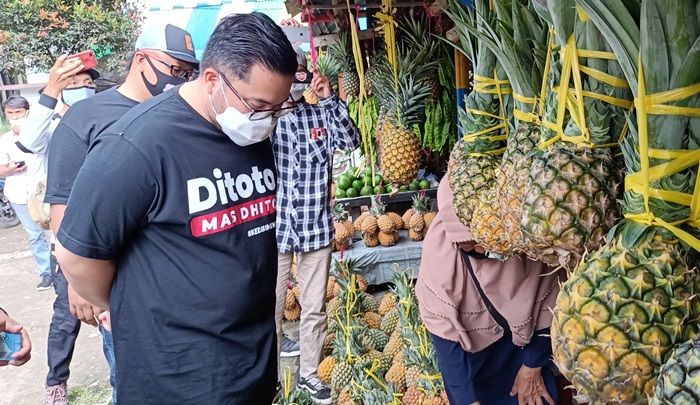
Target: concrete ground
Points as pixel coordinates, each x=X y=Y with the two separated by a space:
x=18 y=296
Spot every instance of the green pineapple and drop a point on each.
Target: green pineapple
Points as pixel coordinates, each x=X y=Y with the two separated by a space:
x=342 y=53
x=390 y=322
x=375 y=339
x=677 y=383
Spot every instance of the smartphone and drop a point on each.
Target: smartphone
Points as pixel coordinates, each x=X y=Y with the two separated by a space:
x=87 y=58
x=303 y=77
x=297 y=34
x=21 y=163
x=10 y=343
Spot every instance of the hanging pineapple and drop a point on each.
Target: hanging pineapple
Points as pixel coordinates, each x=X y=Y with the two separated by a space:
x=627 y=304
x=344 y=229
x=341 y=52
x=401 y=108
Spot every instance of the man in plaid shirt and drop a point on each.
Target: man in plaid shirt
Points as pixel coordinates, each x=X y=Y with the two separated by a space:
x=303 y=144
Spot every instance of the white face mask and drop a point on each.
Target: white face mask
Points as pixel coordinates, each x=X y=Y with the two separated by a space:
x=72 y=96
x=17 y=122
x=238 y=126
x=298 y=90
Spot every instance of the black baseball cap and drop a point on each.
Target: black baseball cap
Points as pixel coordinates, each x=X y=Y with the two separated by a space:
x=170 y=39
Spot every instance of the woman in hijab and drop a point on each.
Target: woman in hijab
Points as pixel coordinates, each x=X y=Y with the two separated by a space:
x=489 y=319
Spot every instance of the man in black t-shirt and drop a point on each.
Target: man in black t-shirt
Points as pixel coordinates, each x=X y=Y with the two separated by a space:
x=171 y=224
x=164 y=57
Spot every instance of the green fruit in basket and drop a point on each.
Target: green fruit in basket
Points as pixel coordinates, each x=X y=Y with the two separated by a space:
x=357 y=185
x=389 y=188
x=414 y=185
x=340 y=193
x=377 y=180
x=403 y=188
x=368 y=171
x=344 y=182
x=351 y=193
x=352 y=172
x=424 y=184
x=379 y=190
x=366 y=190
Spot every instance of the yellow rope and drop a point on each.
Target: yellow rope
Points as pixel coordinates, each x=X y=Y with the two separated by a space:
x=678 y=160
x=491 y=85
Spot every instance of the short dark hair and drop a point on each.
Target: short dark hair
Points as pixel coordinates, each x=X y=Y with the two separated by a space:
x=241 y=41
x=15 y=102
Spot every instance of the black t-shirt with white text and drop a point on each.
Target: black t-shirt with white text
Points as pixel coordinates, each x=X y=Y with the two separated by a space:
x=74 y=134
x=188 y=216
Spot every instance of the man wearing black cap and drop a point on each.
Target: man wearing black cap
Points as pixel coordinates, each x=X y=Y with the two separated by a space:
x=164 y=57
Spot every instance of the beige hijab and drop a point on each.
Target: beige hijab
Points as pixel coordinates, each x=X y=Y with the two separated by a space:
x=523 y=291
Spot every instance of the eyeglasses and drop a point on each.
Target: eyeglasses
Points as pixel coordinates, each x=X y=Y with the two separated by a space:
x=177 y=71
x=258 y=115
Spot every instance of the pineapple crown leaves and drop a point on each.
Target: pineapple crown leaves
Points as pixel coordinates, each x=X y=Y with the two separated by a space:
x=340 y=212
x=378 y=208
x=519 y=40
x=421 y=202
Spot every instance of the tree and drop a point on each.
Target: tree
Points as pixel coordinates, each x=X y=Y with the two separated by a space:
x=33 y=33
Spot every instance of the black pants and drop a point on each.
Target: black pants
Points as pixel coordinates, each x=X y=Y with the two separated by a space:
x=62 y=333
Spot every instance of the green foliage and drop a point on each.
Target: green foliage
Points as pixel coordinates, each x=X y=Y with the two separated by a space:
x=37 y=32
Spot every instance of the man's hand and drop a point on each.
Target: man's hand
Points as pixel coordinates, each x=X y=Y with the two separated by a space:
x=25 y=353
x=11 y=169
x=105 y=320
x=289 y=22
x=529 y=387
x=321 y=85
x=60 y=74
x=81 y=309
x=15 y=129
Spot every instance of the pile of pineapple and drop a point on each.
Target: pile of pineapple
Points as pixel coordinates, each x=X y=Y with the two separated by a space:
x=378 y=226
x=377 y=350
x=343 y=227
x=419 y=217
x=633 y=296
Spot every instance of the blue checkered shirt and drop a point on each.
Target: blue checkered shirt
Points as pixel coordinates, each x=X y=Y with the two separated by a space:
x=304 y=142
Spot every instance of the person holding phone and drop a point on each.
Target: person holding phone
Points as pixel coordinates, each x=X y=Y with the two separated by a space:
x=22 y=171
x=163 y=57
x=9 y=325
x=304 y=142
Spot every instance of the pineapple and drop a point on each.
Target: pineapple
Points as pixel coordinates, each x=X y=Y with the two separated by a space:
x=570 y=198
x=370 y=225
x=418 y=36
x=397 y=220
x=373 y=319
x=429 y=217
x=473 y=161
x=325 y=369
x=293 y=314
x=398 y=143
x=328 y=343
x=520 y=53
x=377 y=339
x=395 y=344
x=677 y=383
x=413 y=376
x=341 y=375
x=328 y=67
x=371 y=240
x=413 y=396
x=416 y=223
x=397 y=375
x=486 y=226
x=628 y=303
x=330 y=288
x=344 y=229
x=388 y=303
x=290 y=300
x=342 y=54
x=390 y=321
x=367 y=301
x=310 y=96
x=388 y=238
x=619 y=315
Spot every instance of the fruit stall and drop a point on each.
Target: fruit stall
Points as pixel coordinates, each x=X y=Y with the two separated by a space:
x=576 y=143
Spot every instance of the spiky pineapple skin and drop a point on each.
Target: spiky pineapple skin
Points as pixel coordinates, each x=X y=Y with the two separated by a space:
x=469 y=177
x=487 y=225
x=399 y=154
x=570 y=203
x=677 y=382
x=351 y=82
x=618 y=316
x=390 y=321
x=512 y=180
x=341 y=375
x=325 y=369
x=387 y=304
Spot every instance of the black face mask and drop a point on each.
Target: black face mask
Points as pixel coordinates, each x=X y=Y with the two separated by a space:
x=162 y=80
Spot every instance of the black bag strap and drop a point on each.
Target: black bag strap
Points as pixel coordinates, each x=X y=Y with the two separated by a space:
x=500 y=319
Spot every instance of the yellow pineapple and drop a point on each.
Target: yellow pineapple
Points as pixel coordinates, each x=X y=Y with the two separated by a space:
x=325 y=369
x=388 y=303
x=373 y=319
